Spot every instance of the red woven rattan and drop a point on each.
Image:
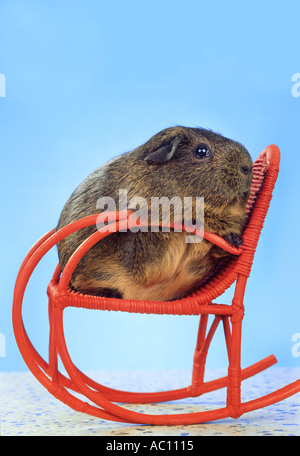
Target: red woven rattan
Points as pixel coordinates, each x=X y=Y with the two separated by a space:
x=104 y=400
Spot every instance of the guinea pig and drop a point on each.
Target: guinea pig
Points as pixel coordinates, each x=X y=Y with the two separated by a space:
x=156 y=265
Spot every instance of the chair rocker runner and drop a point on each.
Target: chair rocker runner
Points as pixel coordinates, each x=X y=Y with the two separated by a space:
x=104 y=401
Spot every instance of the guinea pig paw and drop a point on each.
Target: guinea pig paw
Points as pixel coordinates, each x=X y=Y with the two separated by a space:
x=234 y=239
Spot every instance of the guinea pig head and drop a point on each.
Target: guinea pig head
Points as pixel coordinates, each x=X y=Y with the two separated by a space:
x=197 y=162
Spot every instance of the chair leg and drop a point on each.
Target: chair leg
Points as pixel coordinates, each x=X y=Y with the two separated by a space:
x=227 y=334
x=200 y=355
x=234 y=374
x=199 y=361
x=53 y=352
x=234 y=369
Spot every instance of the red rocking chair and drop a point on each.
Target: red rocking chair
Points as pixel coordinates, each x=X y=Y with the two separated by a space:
x=103 y=401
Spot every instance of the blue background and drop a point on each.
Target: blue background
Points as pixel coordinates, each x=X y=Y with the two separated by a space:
x=88 y=80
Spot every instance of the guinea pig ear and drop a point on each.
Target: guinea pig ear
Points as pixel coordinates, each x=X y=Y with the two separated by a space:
x=165 y=152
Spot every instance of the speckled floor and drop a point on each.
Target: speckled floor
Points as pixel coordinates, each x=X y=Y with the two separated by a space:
x=28 y=409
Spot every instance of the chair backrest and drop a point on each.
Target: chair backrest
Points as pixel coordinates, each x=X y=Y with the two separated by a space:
x=265 y=171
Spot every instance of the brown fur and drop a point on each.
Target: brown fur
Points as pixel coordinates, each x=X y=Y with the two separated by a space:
x=160 y=266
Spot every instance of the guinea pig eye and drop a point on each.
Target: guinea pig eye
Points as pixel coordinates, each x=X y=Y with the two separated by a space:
x=201 y=151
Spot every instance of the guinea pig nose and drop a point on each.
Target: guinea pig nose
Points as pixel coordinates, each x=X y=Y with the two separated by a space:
x=245 y=170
